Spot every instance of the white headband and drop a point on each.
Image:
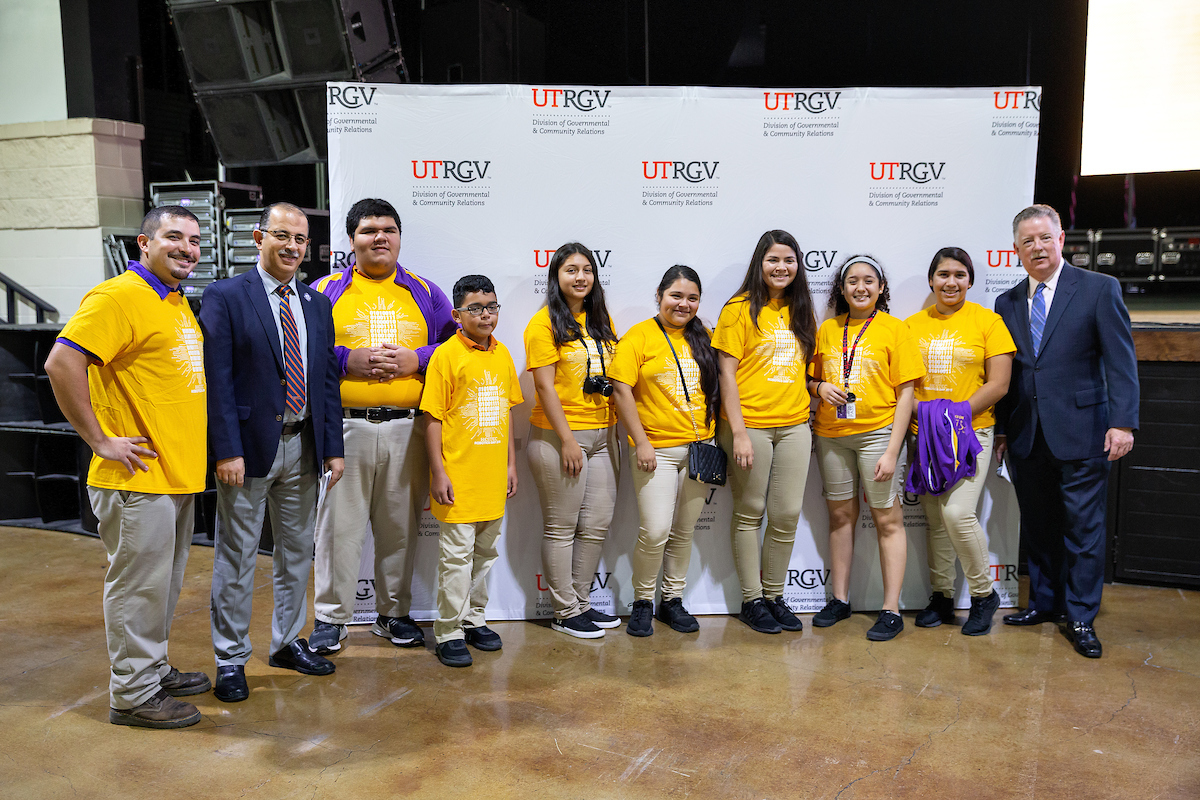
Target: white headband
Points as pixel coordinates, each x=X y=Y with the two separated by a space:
x=870 y=262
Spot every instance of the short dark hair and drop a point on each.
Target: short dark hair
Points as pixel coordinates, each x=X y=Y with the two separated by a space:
x=265 y=217
x=369 y=207
x=471 y=283
x=955 y=253
x=154 y=220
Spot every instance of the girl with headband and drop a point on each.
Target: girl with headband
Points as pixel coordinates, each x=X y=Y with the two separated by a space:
x=863 y=373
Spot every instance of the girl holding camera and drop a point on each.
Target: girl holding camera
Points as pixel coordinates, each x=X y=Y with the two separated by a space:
x=573 y=451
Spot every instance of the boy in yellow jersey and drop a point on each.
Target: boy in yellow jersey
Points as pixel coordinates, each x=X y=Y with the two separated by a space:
x=470 y=389
x=128 y=374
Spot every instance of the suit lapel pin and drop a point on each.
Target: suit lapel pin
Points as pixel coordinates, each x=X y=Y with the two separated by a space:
x=307 y=296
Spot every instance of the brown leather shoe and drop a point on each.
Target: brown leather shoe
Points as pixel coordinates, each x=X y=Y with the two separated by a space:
x=182 y=684
x=160 y=711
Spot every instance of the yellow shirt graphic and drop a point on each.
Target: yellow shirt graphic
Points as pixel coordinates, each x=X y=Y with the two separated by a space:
x=151 y=383
x=770 y=372
x=644 y=362
x=954 y=349
x=471 y=391
x=583 y=411
x=369 y=313
x=886 y=357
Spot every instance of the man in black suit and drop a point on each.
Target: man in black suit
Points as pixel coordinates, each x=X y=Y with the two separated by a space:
x=1070 y=411
x=274 y=422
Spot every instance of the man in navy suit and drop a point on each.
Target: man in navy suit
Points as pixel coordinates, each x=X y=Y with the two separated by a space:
x=274 y=422
x=1070 y=411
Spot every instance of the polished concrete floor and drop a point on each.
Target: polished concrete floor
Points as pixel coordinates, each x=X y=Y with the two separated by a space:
x=726 y=713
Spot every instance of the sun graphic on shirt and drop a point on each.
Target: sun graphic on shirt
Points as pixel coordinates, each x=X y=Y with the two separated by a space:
x=381 y=322
x=189 y=354
x=668 y=379
x=575 y=357
x=863 y=369
x=780 y=353
x=484 y=415
x=946 y=359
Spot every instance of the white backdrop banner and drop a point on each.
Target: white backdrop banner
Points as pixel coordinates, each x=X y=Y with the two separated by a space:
x=492 y=179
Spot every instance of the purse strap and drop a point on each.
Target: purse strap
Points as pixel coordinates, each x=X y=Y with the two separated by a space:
x=682 y=378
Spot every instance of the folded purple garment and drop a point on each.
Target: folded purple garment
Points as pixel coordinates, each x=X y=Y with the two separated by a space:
x=946 y=450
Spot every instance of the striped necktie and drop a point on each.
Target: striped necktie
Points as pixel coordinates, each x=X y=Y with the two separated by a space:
x=293 y=364
x=1037 y=318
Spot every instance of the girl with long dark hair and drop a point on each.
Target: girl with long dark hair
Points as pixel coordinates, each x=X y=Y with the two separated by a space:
x=573 y=451
x=764 y=339
x=666 y=383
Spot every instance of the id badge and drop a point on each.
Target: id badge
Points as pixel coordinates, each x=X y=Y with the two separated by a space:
x=846 y=411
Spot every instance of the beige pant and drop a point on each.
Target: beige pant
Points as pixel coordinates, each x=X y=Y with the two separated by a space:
x=669 y=503
x=466 y=553
x=147 y=537
x=775 y=485
x=954 y=529
x=576 y=512
x=847 y=462
x=386 y=483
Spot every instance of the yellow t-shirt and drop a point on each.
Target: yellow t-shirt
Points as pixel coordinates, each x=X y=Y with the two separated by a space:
x=584 y=412
x=151 y=383
x=370 y=313
x=644 y=362
x=771 y=362
x=471 y=391
x=954 y=349
x=886 y=357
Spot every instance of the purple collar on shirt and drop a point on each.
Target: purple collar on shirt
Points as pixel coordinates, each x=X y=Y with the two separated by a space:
x=419 y=293
x=160 y=288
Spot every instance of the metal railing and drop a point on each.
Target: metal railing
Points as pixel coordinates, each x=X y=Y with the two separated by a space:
x=16 y=290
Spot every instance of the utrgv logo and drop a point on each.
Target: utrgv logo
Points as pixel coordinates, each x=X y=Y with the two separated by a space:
x=690 y=171
x=351 y=96
x=1003 y=258
x=461 y=171
x=917 y=172
x=817 y=260
x=1017 y=100
x=542 y=258
x=812 y=102
x=580 y=99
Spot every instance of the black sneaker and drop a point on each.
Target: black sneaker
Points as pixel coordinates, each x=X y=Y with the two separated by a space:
x=401 y=631
x=756 y=614
x=979 y=621
x=578 y=626
x=640 y=617
x=482 y=638
x=602 y=620
x=886 y=626
x=939 y=610
x=674 y=614
x=326 y=637
x=454 y=653
x=784 y=615
x=834 y=612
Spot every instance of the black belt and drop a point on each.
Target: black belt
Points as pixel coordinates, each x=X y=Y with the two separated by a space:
x=381 y=413
x=290 y=428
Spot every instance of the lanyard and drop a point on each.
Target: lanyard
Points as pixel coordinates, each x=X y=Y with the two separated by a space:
x=682 y=379
x=588 y=354
x=848 y=358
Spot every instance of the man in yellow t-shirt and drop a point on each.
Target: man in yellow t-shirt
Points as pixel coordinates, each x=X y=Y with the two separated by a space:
x=128 y=374
x=470 y=389
x=387 y=322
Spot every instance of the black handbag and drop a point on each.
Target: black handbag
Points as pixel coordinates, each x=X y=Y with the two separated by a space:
x=706 y=462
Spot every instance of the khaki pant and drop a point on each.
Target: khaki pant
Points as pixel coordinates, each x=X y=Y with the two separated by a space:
x=466 y=553
x=386 y=484
x=147 y=537
x=576 y=512
x=775 y=485
x=954 y=529
x=669 y=503
x=848 y=462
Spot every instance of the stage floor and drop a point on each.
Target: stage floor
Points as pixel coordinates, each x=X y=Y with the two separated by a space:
x=726 y=713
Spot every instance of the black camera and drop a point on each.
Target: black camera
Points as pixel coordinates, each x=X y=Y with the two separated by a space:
x=597 y=384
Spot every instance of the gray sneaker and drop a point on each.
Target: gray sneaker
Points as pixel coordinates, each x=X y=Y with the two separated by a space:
x=402 y=631
x=160 y=711
x=326 y=638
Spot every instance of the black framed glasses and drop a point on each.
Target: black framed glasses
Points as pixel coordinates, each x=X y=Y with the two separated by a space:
x=475 y=310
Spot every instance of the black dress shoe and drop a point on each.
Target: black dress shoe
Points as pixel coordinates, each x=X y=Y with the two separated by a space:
x=231 y=684
x=1083 y=636
x=297 y=656
x=1031 y=616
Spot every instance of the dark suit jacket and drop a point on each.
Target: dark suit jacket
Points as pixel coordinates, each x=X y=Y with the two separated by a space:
x=243 y=361
x=1084 y=381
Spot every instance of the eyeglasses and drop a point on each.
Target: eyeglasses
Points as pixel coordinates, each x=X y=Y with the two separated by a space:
x=475 y=310
x=283 y=237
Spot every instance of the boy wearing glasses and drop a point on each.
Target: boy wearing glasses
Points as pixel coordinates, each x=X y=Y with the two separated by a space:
x=470 y=387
